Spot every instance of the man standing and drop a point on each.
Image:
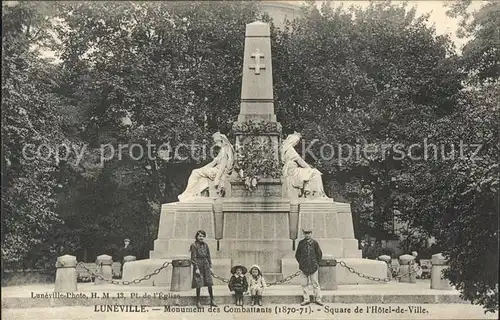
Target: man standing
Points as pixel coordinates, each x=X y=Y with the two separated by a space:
x=308 y=256
x=126 y=250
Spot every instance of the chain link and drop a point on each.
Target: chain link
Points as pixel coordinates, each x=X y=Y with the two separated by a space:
x=362 y=275
x=413 y=270
x=225 y=280
x=285 y=280
x=124 y=282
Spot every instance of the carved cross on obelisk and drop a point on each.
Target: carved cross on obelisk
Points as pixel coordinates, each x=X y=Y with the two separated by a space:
x=257 y=55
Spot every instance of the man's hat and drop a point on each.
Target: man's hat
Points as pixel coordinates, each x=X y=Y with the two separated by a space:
x=307 y=230
x=243 y=269
x=126 y=240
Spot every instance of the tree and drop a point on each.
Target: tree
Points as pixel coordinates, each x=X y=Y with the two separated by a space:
x=366 y=78
x=144 y=74
x=30 y=120
x=481 y=54
x=464 y=198
x=467 y=217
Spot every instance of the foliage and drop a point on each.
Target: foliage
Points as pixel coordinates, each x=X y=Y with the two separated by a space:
x=353 y=77
x=361 y=79
x=375 y=250
x=467 y=226
x=142 y=75
x=257 y=152
x=256 y=127
x=481 y=54
x=147 y=73
x=256 y=159
x=29 y=116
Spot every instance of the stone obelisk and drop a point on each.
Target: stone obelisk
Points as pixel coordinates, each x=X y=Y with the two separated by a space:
x=257 y=83
x=257 y=125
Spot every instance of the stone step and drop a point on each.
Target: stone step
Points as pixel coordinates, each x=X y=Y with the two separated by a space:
x=89 y=294
x=272 y=276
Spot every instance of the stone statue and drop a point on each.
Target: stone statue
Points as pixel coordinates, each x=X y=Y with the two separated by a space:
x=212 y=174
x=299 y=178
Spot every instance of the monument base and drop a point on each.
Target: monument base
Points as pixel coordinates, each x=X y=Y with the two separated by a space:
x=260 y=231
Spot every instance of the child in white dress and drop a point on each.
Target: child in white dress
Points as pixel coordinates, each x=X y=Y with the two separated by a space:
x=256 y=284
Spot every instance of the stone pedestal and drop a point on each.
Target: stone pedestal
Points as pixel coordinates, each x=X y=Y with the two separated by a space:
x=66 y=274
x=129 y=259
x=406 y=262
x=327 y=273
x=256 y=231
x=438 y=282
x=387 y=260
x=105 y=270
x=181 y=274
x=139 y=268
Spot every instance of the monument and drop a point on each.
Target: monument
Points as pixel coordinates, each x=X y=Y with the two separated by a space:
x=255 y=197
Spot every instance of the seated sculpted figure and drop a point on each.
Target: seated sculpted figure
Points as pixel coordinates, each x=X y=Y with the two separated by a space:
x=299 y=178
x=213 y=173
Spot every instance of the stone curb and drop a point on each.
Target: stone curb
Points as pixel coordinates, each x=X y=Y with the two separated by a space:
x=25 y=302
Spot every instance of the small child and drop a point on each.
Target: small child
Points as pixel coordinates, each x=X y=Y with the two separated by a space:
x=257 y=285
x=238 y=283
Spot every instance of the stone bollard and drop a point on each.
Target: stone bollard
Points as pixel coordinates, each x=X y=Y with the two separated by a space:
x=438 y=282
x=387 y=261
x=66 y=274
x=406 y=262
x=327 y=273
x=181 y=274
x=105 y=262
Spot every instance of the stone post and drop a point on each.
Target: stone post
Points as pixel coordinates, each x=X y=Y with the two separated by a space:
x=181 y=274
x=66 y=274
x=104 y=261
x=128 y=259
x=438 y=282
x=327 y=273
x=388 y=261
x=406 y=262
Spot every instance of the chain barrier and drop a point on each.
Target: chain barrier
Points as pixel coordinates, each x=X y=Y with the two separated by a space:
x=123 y=282
x=342 y=263
x=414 y=269
x=362 y=275
x=284 y=280
x=225 y=280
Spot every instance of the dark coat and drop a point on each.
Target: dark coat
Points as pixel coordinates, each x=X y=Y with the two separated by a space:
x=201 y=260
x=238 y=284
x=128 y=251
x=308 y=255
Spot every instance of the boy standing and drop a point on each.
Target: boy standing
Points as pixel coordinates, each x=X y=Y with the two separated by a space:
x=238 y=283
x=308 y=256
